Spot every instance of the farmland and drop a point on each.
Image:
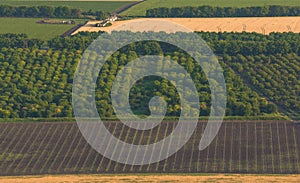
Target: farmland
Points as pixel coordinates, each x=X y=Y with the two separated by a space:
x=107 y=6
x=256 y=147
x=153 y=178
x=261 y=69
x=274 y=24
x=30 y=27
x=140 y=9
x=48 y=76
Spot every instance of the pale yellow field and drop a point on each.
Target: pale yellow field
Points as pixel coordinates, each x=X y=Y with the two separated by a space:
x=231 y=178
x=253 y=24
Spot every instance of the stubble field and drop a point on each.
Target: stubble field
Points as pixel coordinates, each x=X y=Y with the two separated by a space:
x=264 y=25
x=232 y=178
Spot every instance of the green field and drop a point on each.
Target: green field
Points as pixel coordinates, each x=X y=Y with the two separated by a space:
x=31 y=28
x=140 y=9
x=107 y=6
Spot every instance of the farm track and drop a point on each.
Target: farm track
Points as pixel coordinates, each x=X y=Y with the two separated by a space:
x=126 y=7
x=72 y=30
x=240 y=147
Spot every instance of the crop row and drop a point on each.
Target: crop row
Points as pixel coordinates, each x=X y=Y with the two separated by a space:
x=239 y=147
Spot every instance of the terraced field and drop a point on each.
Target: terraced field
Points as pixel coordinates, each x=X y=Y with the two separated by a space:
x=261 y=147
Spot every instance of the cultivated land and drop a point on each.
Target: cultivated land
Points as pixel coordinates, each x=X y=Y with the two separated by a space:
x=260 y=25
x=232 y=178
x=107 y=6
x=253 y=147
x=30 y=27
x=140 y=9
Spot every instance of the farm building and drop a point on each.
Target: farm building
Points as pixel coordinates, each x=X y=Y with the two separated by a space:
x=105 y=22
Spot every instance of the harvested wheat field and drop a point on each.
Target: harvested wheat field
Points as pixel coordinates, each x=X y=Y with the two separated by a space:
x=263 y=25
x=153 y=178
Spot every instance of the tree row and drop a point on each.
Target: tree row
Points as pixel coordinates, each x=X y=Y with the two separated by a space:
x=221 y=43
x=48 y=12
x=210 y=11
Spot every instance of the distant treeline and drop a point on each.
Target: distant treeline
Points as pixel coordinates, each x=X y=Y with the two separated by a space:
x=221 y=43
x=47 y=11
x=209 y=11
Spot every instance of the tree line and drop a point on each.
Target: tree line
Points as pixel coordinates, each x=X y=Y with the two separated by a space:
x=48 y=12
x=252 y=43
x=221 y=43
x=210 y=11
